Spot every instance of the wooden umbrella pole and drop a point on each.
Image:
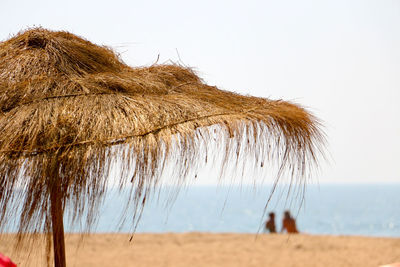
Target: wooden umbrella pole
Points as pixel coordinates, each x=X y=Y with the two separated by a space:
x=57 y=215
x=57 y=227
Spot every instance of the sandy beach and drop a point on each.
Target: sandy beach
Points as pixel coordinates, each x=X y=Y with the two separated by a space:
x=203 y=249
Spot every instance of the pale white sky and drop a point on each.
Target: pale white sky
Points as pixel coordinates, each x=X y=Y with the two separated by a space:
x=340 y=58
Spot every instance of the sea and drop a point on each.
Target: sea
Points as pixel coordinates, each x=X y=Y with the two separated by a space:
x=327 y=209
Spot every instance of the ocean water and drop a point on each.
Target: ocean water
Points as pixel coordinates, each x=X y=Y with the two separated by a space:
x=368 y=210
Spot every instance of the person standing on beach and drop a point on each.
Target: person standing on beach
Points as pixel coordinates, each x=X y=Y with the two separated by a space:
x=270 y=224
x=289 y=224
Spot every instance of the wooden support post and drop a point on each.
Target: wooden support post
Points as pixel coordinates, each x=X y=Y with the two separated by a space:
x=57 y=212
x=57 y=227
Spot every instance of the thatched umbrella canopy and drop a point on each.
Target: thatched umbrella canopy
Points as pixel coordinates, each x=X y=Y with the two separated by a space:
x=68 y=108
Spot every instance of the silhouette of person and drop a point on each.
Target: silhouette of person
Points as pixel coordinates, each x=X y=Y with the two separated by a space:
x=270 y=224
x=289 y=224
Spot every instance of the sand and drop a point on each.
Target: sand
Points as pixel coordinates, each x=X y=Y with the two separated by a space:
x=203 y=249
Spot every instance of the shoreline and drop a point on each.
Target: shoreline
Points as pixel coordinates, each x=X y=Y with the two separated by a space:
x=212 y=249
x=214 y=233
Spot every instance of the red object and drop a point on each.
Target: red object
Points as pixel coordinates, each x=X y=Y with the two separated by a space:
x=6 y=262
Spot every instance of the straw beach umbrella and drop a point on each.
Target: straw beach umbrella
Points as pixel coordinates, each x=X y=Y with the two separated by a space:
x=70 y=108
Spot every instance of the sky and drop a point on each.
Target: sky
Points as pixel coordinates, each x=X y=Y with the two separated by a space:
x=340 y=59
